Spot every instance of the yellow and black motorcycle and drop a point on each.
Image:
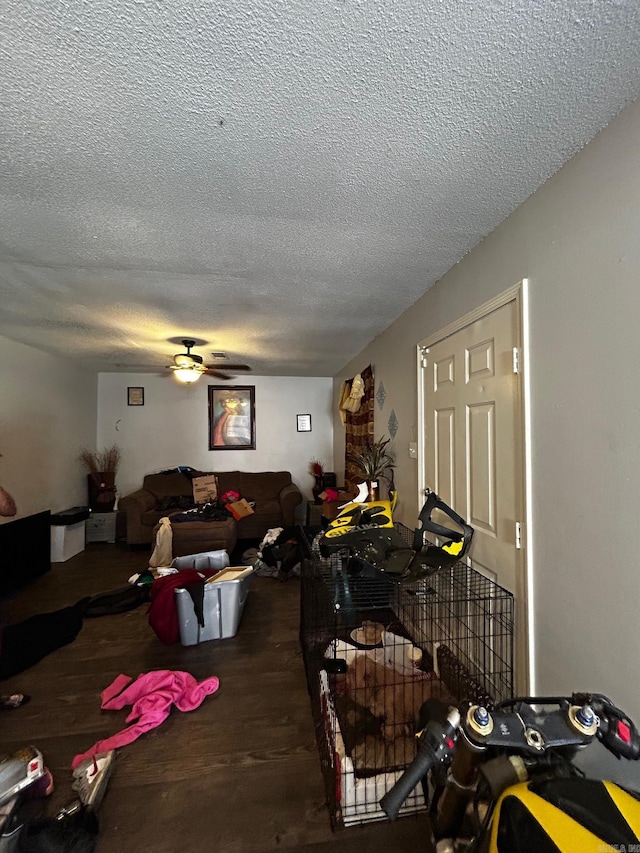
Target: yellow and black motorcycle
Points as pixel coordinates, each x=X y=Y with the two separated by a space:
x=531 y=774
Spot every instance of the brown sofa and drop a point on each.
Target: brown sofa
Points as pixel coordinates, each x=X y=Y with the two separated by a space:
x=273 y=492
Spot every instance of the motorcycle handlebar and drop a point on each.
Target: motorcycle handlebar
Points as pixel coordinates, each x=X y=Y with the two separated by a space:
x=392 y=801
x=615 y=729
x=436 y=742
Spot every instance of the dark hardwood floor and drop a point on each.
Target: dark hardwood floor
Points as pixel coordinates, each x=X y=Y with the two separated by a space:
x=240 y=774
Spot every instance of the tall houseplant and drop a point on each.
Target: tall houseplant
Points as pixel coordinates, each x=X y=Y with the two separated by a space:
x=373 y=462
x=102 y=468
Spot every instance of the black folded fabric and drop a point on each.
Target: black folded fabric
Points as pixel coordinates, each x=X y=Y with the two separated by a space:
x=117 y=601
x=196 y=591
x=211 y=511
x=175 y=502
x=27 y=642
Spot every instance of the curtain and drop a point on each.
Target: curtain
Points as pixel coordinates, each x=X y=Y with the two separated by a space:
x=359 y=426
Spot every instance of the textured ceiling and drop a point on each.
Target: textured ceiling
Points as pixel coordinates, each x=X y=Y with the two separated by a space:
x=278 y=179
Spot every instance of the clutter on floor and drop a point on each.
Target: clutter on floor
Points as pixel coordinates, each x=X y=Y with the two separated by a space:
x=26 y=781
x=27 y=642
x=163 y=612
x=279 y=554
x=198 y=588
x=151 y=696
x=15 y=700
x=91 y=777
x=217 y=615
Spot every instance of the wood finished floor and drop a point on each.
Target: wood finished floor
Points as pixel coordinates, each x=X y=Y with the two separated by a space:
x=240 y=774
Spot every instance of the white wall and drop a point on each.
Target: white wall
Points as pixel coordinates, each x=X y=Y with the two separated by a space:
x=47 y=414
x=171 y=428
x=576 y=239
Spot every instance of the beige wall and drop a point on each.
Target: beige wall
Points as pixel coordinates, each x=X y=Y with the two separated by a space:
x=577 y=241
x=50 y=408
x=171 y=428
x=47 y=414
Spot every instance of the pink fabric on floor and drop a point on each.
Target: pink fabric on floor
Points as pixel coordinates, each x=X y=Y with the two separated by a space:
x=151 y=696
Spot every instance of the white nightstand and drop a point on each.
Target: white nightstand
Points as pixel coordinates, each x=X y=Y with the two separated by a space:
x=101 y=527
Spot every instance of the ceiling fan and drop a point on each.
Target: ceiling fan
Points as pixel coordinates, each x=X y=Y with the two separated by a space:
x=189 y=367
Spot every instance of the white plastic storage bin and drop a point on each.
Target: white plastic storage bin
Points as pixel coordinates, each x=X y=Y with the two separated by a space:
x=225 y=596
x=67 y=541
x=203 y=560
x=68 y=533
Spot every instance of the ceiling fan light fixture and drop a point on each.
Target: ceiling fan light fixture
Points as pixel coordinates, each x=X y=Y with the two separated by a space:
x=185 y=360
x=188 y=374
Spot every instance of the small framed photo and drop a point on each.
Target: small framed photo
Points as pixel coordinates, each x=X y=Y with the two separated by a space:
x=304 y=423
x=135 y=396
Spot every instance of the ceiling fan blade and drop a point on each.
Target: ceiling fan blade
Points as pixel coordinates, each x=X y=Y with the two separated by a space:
x=226 y=366
x=212 y=371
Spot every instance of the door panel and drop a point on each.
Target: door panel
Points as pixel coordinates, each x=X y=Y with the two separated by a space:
x=473 y=454
x=444 y=462
x=481 y=469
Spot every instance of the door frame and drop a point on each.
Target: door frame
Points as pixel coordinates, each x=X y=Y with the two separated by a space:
x=524 y=660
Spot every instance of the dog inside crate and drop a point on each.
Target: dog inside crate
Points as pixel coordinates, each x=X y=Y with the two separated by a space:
x=378 y=709
x=379 y=692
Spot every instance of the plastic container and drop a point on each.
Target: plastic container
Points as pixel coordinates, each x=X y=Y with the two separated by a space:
x=397 y=652
x=225 y=596
x=203 y=560
x=400 y=653
x=68 y=533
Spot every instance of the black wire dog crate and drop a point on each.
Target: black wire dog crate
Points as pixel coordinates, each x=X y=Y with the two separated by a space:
x=375 y=651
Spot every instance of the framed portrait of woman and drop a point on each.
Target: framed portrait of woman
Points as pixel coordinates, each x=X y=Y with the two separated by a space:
x=232 y=417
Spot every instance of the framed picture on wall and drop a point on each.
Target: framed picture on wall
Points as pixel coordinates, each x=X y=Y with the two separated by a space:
x=135 y=396
x=303 y=423
x=232 y=417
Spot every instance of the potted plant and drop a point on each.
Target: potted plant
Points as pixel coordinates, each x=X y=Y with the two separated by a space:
x=102 y=469
x=372 y=462
x=316 y=469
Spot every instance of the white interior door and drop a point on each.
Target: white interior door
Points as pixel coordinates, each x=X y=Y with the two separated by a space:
x=472 y=443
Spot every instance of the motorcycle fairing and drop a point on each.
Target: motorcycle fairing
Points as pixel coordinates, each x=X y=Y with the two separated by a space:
x=565 y=815
x=367 y=532
x=458 y=540
x=360 y=515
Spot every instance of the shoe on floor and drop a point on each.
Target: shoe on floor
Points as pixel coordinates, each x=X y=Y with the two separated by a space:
x=91 y=777
x=15 y=700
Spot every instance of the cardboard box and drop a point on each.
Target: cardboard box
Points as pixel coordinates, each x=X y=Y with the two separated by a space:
x=205 y=488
